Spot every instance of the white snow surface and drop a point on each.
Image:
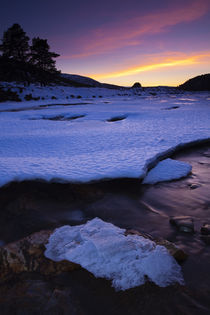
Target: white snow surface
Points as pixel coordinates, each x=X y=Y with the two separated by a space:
x=167 y=170
x=90 y=148
x=105 y=251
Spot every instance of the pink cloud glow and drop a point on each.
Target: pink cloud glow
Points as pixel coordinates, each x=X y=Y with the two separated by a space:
x=130 y=32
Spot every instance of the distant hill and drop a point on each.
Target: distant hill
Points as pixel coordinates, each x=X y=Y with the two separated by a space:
x=199 y=83
x=24 y=72
x=113 y=86
x=85 y=81
x=27 y=73
x=89 y=82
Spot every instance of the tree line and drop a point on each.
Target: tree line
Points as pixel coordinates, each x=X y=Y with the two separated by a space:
x=24 y=62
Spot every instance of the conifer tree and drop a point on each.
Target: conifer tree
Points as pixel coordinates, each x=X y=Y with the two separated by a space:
x=41 y=56
x=15 y=44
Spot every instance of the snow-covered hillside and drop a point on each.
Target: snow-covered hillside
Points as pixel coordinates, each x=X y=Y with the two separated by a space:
x=67 y=139
x=81 y=79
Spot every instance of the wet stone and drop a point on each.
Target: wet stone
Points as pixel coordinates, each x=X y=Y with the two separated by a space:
x=205 y=229
x=183 y=223
x=194 y=186
x=27 y=255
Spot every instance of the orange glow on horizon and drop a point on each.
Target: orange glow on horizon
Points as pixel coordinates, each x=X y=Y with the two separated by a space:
x=196 y=59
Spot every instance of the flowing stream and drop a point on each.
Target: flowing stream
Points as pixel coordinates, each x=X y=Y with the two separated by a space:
x=31 y=206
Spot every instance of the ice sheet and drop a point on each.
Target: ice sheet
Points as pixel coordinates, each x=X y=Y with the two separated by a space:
x=91 y=147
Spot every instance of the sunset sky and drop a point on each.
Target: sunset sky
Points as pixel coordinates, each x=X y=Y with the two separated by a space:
x=155 y=42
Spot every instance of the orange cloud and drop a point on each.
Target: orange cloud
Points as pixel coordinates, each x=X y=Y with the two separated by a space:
x=165 y=63
x=131 y=31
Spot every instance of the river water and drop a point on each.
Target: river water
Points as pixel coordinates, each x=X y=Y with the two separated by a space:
x=31 y=206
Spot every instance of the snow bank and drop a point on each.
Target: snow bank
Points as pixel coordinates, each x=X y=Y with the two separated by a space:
x=105 y=251
x=54 y=93
x=167 y=170
x=90 y=147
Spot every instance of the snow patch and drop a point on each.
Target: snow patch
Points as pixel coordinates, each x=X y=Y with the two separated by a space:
x=167 y=170
x=104 y=250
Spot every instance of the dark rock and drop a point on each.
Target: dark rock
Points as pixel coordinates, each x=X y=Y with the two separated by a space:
x=183 y=223
x=27 y=294
x=27 y=255
x=194 y=186
x=174 y=250
x=205 y=229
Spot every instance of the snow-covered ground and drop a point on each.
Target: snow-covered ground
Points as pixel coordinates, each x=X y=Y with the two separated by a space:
x=104 y=250
x=49 y=143
x=111 y=135
x=51 y=94
x=55 y=93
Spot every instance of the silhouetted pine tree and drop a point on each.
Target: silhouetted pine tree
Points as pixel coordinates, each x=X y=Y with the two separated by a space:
x=15 y=44
x=41 y=56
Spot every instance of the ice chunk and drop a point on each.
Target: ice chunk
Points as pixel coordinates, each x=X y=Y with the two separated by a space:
x=167 y=170
x=104 y=250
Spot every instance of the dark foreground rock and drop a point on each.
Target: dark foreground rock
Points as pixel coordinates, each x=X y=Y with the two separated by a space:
x=205 y=229
x=79 y=293
x=32 y=284
x=183 y=223
x=27 y=255
x=205 y=233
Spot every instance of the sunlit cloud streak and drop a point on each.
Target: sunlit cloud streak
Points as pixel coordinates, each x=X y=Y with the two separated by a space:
x=168 y=62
